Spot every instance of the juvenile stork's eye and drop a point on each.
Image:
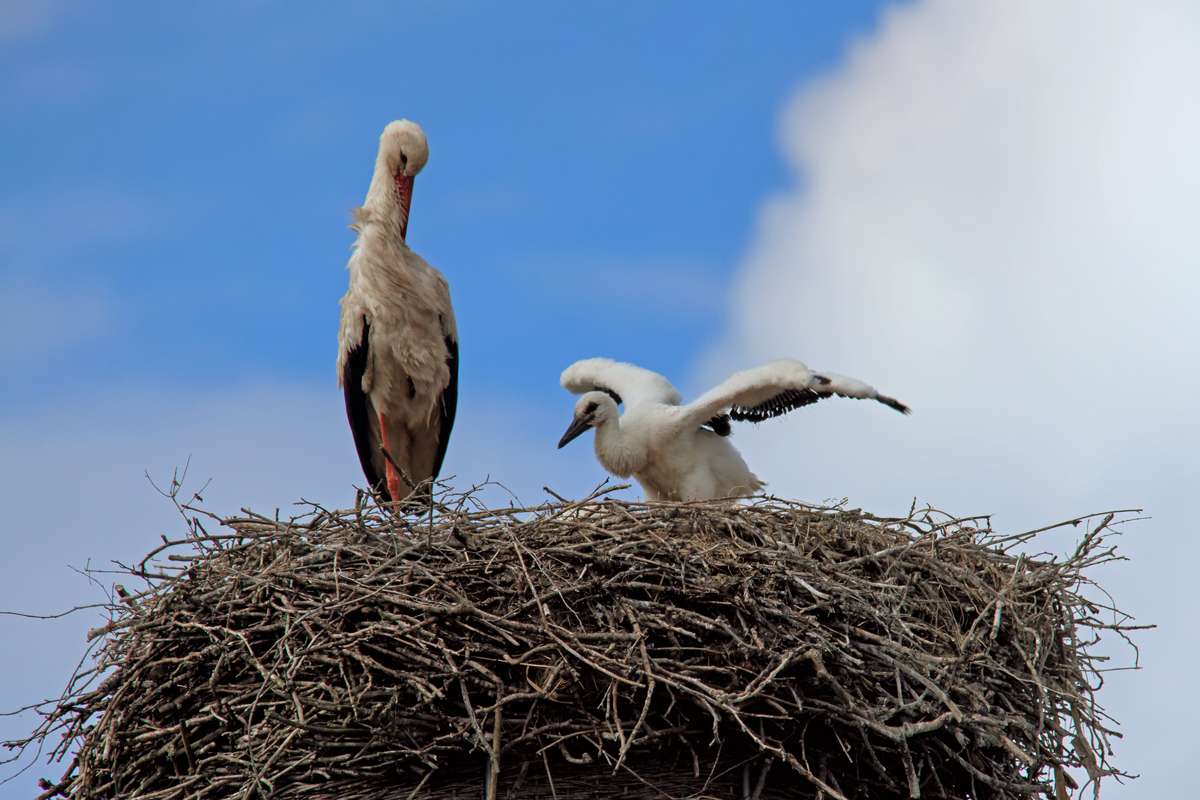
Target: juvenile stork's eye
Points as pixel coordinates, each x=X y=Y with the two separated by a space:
x=591 y=408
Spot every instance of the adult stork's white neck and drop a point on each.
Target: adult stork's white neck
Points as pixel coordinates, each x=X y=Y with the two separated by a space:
x=403 y=152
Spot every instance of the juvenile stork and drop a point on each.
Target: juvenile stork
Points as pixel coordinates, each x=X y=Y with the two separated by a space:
x=680 y=452
x=398 y=345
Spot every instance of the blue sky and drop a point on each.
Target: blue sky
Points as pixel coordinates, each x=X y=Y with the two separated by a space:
x=986 y=210
x=206 y=156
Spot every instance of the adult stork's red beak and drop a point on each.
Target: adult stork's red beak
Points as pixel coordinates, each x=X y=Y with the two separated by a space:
x=404 y=189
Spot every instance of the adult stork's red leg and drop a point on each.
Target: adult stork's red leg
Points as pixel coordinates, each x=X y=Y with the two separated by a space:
x=393 y=480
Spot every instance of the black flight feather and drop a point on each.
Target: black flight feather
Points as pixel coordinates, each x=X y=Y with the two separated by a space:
x=449 y=405
x=358 y=410
x=785 y=401
x=719 y=425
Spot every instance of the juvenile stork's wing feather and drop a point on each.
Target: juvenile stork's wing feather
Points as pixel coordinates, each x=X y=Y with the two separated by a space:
x=775 y=389
x=848 y=387
x=624 y=382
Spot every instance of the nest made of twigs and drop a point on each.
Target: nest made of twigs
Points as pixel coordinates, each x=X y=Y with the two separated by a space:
x=599 y=648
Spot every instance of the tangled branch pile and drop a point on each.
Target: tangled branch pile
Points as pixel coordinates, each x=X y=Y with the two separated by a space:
x=599 y=648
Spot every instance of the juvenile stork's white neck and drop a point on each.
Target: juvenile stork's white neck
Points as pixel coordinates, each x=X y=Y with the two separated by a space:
x=403 y=152
x=616 y=449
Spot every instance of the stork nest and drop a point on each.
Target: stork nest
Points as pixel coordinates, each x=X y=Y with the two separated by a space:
x=597 y=648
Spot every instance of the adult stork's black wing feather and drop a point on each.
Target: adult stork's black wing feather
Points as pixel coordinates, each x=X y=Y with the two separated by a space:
x=449 y=405
x=358 y=410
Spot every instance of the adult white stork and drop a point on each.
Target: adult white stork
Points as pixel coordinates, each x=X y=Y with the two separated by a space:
x=680 y=452
x=398 y=345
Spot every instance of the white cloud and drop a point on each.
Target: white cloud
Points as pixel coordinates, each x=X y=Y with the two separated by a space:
x=996 y=221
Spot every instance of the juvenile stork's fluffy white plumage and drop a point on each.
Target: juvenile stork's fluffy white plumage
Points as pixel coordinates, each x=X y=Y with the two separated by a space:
x=398 y=344
x=680 y=452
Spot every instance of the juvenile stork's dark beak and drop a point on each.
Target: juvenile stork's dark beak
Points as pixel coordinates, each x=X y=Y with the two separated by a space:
x=578 y=426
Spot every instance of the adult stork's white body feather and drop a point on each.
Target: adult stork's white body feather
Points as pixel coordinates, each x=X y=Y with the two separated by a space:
x=398 y=343
x=681 y=452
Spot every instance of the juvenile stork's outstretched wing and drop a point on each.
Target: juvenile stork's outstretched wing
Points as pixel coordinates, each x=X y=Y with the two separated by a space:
x=624 y=382
x=775 y=389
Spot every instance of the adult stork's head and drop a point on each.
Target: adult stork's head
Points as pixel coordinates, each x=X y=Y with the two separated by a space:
x=403 y=151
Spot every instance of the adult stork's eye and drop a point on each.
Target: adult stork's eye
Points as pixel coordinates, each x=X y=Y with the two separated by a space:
x=403 y=160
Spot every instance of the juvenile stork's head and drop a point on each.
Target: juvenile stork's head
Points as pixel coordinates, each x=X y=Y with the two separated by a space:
x=403 y=151
x=592 y=409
